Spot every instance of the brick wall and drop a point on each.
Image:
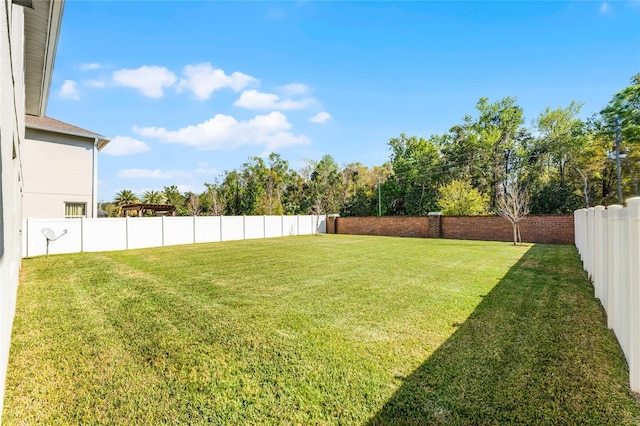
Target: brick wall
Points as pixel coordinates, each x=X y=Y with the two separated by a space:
x=533 y=229
x=395 y=226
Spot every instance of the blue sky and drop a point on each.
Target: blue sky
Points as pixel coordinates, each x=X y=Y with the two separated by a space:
x=188 y=89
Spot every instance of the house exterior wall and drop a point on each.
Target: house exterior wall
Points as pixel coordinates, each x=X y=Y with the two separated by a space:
x=58 y=168
x=12 y=110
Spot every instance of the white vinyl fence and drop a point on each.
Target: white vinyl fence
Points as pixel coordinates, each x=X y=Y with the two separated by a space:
x=86 y=235
x=608 y=240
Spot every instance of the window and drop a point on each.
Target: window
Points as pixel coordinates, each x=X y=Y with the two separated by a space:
x=72 y=210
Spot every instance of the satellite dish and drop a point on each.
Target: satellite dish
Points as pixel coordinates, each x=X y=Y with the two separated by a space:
x=50 y=236
x=48 y=233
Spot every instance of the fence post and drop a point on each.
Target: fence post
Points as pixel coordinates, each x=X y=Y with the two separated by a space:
x=633 y=207
x=604 y=259
x=282 y=225
x=613 y=275
x=598 y=251
x=581 y=229
x=583 y=237
x=82 y=223
x=126 y=231
x=623 y=320
x=576 y=230
x=27 y=226
x=162 y=231
x=591 y=234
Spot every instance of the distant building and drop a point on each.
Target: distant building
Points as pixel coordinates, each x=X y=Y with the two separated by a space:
x=60 y=169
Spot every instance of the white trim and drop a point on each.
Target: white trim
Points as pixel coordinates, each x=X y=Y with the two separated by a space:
x=56 y=8
x=94 y=177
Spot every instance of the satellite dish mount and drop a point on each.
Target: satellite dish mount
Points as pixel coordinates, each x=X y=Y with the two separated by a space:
x=50 y=236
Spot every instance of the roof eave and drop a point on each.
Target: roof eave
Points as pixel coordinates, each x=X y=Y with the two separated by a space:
x=55 y=23
x=102 y=143
x=91 y=136
x=47 y=49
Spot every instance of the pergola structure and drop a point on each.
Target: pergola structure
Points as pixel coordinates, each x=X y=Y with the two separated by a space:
x=157 y=209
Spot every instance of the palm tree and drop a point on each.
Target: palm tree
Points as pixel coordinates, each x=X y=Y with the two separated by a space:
x=153 y=197
x=124 y=197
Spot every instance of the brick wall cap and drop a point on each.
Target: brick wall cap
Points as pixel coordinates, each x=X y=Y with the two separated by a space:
x=434 y=214
x=333 y=215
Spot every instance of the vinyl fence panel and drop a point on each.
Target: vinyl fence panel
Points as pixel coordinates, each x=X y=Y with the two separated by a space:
x=253 y=227
x=608 y=241
x=273 y=226
x=633 y=207
x=178 y=230
x=289 y=226
x=69 y=242
x=144 y=232
x=106 y=234
x=207 y=229
x=232 y=228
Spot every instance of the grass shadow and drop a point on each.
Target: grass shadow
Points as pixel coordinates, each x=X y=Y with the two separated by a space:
x=536 y=350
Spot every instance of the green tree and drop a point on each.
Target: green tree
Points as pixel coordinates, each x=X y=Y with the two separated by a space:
x=123 y=198
x=176 y=199
x=296 y=195
x=623 y=112
x=416 y=172
x=555 y=198
x=361 y=188
x=254 y=174
x=192 y=204
x=153 y=197
x=212 y=200
x=496 y=127
x=274 y=185
x=625 y=105
x=560 y=142
x=326 y=186
x=232 y=191
x=486 y=150
x=459 y=198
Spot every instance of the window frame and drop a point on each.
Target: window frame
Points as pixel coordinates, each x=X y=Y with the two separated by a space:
x=75 y=205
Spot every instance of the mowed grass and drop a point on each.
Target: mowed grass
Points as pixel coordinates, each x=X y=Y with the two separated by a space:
x=324 y=329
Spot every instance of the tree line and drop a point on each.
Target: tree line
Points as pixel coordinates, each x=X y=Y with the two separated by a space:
x=559 y=163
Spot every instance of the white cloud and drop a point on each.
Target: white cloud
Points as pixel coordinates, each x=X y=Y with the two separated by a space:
x=125 y=145
x=69 y=90
x=272 y=131
x=150 y=80
x=144 y=174
x=203 y=80
x=321 y=117
x=94 y=83
x=90 y=66
x=252 y=99
x=605 y=8
x=293 y=89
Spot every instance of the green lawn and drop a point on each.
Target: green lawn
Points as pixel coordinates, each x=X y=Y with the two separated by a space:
x=327 y=329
